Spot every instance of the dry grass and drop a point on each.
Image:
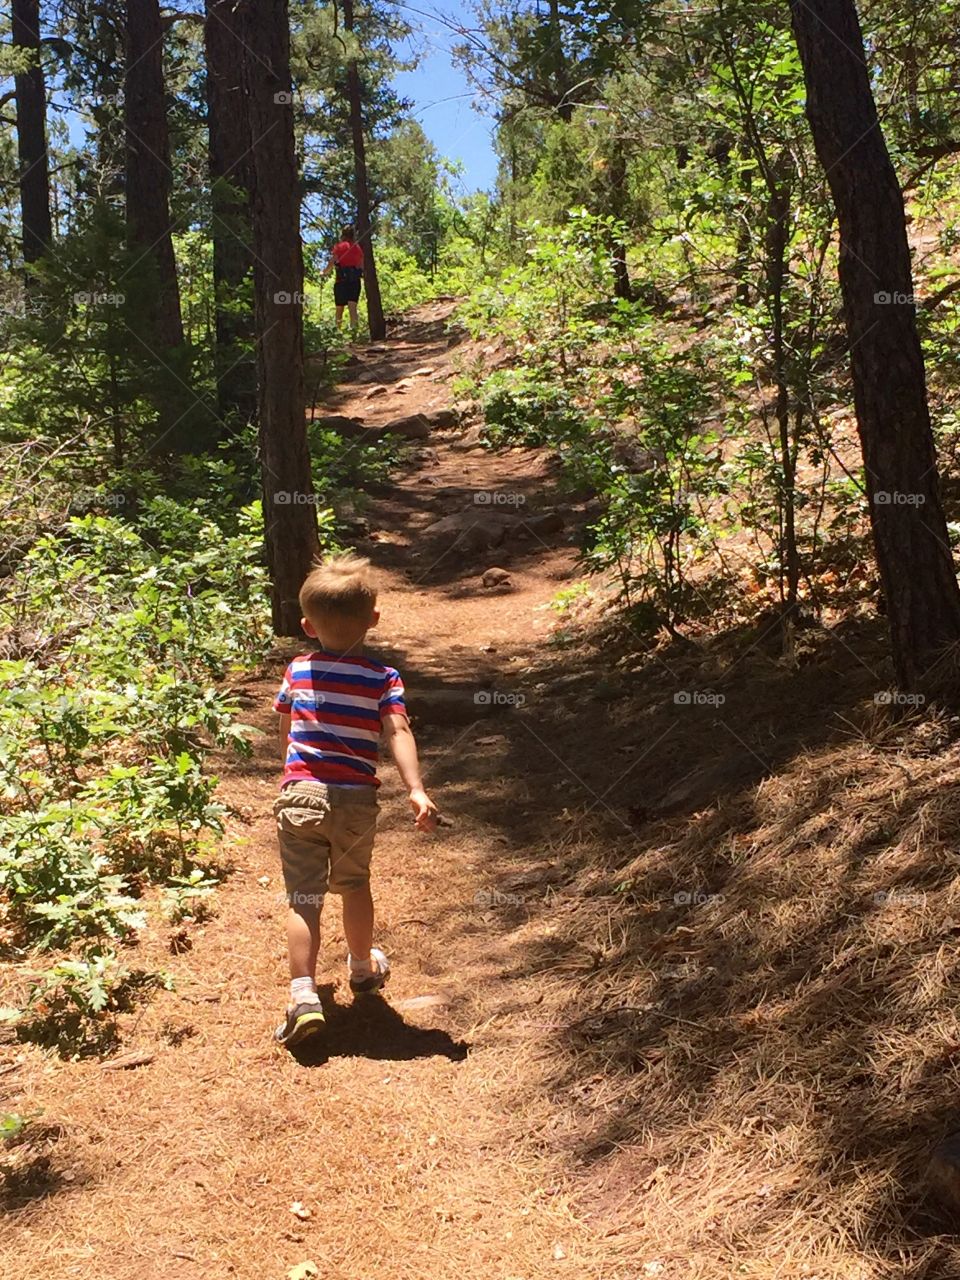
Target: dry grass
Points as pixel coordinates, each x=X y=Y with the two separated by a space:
x=753 y=1027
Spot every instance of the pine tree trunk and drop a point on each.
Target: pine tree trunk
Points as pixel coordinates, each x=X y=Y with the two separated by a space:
x=622 y=286
x=148 y=174
x=371 y=282
x=31 y=99
x=290 y=522
x=776 y=266
x=229 y=150
x=909 y=527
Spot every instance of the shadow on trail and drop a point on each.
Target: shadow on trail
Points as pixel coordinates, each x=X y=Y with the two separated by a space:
x=451 y=560
x=736 y=878
x=743 y=913
x=39 y=1173
x=372 y=1028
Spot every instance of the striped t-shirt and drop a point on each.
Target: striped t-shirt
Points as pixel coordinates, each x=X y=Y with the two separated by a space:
x=336 y=705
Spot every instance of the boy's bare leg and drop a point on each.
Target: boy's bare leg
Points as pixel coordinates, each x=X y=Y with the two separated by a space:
x=304 y=1012
x=358 y=922
x=303 y=939
x=339 y=316
x=354 y=321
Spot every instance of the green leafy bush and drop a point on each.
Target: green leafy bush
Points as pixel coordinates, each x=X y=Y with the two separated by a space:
x=13 y=1126
x=105 y=725
x=626 y=412
x=73 y=1006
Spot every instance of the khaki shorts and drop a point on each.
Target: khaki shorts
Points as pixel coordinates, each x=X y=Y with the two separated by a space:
x=326 y=839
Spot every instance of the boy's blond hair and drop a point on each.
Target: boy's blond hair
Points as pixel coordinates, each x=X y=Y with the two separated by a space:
x=342 y=587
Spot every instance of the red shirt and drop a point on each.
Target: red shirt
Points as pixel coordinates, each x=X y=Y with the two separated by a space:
x=348 y=254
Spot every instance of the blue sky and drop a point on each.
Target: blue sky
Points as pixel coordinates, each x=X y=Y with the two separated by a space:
x=442 y=97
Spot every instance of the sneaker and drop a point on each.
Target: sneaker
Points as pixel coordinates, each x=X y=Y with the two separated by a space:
x=302 y=1021
x=371 y=981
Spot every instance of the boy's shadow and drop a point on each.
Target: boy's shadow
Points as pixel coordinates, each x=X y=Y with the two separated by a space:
x=371 y=1028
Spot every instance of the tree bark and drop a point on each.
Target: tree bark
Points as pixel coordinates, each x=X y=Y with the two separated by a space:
x=909 y=527
x=371 y=283
x=148 y=173
x=744 y=230
x=622 y=286
x=229 y=152
x=775 y=271
x=289 y=510
x=36 y=223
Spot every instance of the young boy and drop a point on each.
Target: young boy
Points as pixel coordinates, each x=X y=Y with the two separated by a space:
x=334 y=704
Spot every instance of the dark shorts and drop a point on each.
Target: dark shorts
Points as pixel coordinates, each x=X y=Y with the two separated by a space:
x=346 y=286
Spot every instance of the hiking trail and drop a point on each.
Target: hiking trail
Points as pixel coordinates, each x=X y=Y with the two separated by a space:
x=425 y=1145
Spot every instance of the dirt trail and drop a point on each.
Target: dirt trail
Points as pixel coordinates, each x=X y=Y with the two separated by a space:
x=421 y=1147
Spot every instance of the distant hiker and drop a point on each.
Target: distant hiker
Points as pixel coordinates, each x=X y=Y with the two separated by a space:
x=334 y=704
x=346 y=260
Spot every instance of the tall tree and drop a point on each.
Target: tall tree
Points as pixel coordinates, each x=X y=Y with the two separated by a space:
x=618 y=202
x=31 y=98
x=90 y=37
x=876 y=277
x=148 y=173
x=557 y=60
x=290 y=524
x=371 y=282
x=229 y=149
x=517 y=54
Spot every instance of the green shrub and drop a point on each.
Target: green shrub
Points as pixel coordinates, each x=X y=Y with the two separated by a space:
x=105 y=727
x=73 y=1006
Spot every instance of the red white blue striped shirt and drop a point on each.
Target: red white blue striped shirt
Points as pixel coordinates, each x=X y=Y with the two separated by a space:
x=336 y=706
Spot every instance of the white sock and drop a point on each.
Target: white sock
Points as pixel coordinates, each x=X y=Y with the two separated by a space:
x=361 y=968
x=303 y=991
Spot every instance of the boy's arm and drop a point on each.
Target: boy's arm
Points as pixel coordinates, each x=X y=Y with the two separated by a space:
x=403 y=748
x=283 y=729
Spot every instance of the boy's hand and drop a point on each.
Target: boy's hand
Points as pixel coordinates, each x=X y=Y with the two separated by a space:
x=424 y=810
x=403 y=748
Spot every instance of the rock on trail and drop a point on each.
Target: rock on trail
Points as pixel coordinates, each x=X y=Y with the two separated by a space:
x=473 y=530
x=412 y=426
